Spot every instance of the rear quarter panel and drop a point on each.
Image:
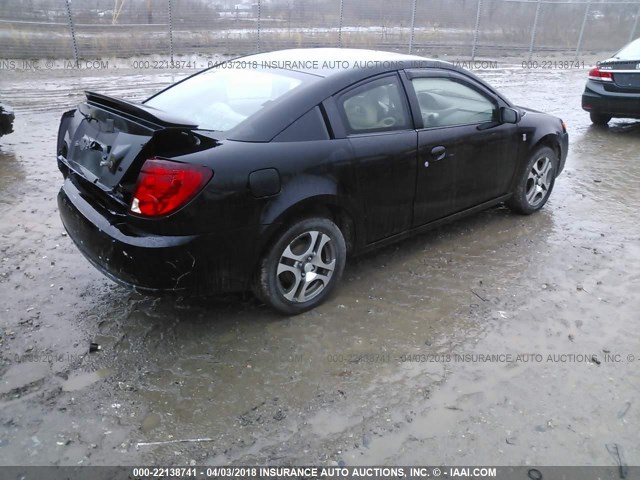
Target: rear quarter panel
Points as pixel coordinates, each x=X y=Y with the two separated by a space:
x=311 y=173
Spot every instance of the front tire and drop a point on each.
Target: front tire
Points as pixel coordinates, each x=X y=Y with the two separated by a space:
x=535 y=183
x=302 y=267
x=599 y=119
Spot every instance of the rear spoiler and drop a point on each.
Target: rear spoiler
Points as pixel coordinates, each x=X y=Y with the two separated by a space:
x=138 y=110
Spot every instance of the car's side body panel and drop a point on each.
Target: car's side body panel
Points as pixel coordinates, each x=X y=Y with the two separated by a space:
x=476 y=166
x=385 y=166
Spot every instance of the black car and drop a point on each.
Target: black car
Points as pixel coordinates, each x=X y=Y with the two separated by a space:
x=264 y=172
x=6 y=119
x=613 y=87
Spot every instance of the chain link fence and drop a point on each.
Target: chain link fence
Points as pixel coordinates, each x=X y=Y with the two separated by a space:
x=36 y=29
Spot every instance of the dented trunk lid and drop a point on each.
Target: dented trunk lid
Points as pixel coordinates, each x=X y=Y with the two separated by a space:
x=105 y=141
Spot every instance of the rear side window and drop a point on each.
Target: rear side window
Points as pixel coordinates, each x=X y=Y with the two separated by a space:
x=445 y=102
x=219 y=99
x=377 y=106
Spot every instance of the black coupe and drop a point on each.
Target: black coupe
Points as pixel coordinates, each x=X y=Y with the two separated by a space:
x=265 y=172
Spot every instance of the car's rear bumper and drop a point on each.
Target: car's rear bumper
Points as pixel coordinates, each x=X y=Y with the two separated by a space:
x=596 y=99
x=204 y=263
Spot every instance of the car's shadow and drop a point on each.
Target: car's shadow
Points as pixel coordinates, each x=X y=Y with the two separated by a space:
x=622 y=127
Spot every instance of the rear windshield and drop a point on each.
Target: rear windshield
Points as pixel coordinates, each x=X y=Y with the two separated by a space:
x=630 y=52
x=221 y=98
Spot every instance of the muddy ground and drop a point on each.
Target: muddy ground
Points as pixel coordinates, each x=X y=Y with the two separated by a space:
x=387 y=372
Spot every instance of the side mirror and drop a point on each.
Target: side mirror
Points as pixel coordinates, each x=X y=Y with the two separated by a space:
x=509 y=115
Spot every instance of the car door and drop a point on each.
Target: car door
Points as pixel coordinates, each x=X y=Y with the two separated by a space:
x=378 y=125
x=465 y=155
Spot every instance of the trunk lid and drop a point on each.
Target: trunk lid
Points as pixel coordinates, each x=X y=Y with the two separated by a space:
x=105 y=141
x=626 y=75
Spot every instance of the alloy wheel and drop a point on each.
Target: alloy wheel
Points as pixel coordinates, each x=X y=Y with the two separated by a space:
x=539 y=181
x=306 y=266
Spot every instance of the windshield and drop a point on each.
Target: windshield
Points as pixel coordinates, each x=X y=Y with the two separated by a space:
x=630 y=52
x=219 y=99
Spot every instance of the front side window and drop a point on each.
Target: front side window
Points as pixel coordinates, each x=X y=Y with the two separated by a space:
x=445 y=102
x=219 y=99
x=377 y=106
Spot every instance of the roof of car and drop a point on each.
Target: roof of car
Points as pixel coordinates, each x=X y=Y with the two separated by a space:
x=326 y=62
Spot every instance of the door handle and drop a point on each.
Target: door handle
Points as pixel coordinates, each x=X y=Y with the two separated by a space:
x=438 y=153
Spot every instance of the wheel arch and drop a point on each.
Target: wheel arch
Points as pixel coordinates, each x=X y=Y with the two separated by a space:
x=550 y=140
x=322 y=205
x=306 y=196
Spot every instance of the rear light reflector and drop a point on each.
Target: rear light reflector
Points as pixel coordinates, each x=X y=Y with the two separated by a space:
x=597 y=74
x=164 y=186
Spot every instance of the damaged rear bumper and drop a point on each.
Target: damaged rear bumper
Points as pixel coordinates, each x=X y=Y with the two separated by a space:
x=202 y=264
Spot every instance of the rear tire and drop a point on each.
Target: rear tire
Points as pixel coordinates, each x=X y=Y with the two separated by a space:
x=599 y=119
x=302 y=267
x=535 y=182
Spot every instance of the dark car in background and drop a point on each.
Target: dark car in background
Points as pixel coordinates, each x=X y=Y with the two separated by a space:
x=263 y=173
x=613 y=87
x=6 y=119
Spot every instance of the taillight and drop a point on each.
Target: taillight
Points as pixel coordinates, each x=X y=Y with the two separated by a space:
x=164 y=186
x=596 y=74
